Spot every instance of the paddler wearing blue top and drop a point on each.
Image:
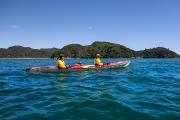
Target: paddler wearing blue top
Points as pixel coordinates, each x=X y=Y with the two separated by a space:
x=61 y=63
x=97 y=60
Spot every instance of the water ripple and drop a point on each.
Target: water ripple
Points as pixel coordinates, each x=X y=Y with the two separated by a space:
x=148 y=89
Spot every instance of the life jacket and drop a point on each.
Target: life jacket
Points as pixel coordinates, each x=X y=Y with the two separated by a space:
x=97 y=61
x=61 y=64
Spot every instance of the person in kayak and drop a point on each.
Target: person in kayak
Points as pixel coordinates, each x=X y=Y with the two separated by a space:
x=61 y=63
x=97 y=60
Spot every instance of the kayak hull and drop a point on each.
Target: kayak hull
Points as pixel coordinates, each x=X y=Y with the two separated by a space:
x=83 y=67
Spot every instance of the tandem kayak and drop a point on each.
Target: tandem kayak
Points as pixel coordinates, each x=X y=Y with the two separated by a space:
x=82 y=67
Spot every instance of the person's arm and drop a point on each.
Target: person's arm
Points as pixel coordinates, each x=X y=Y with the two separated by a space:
x=95 y=61
x=99 y=62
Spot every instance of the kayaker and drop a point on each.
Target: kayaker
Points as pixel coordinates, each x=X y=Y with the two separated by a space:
x=61 y=63
x=97 y=60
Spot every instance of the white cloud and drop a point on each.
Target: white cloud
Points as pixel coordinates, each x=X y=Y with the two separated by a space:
x=90 y=27
x=15 y=26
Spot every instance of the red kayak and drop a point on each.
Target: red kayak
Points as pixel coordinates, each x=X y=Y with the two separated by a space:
x=82 y=67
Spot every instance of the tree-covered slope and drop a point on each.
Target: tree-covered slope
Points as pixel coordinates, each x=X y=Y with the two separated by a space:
x=158 y=52
x=25 y=52
x=105 y=49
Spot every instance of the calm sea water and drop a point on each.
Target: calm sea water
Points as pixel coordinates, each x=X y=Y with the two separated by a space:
x=148 y=89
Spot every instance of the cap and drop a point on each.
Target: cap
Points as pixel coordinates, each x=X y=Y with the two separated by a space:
x=97 y=55
x=60 y=56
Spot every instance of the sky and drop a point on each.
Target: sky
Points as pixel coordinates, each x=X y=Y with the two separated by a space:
x=137 y=24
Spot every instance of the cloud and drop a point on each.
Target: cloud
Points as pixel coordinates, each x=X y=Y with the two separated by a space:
x=15 y=26
x=90 y=27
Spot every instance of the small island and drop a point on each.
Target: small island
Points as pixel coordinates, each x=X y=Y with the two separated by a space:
x=106 y=49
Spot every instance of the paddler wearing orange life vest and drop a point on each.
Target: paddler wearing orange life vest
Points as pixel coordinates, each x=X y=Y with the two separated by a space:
x=61 y=63
x=97 y=60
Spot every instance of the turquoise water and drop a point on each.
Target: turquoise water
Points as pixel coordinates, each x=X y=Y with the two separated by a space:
x=148 y=89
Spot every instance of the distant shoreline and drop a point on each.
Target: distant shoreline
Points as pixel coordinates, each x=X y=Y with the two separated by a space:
x=77 y=58
x=25 y=58
x=34 y=58
x=105 y=49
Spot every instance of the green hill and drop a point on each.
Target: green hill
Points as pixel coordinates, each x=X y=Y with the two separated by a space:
x=26 y=52
x=105 y=49
x=158 y=52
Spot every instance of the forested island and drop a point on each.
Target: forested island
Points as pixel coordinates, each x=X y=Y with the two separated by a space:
x=105 y=49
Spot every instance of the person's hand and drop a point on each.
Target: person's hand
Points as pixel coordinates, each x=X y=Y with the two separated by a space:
x=67 y=67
